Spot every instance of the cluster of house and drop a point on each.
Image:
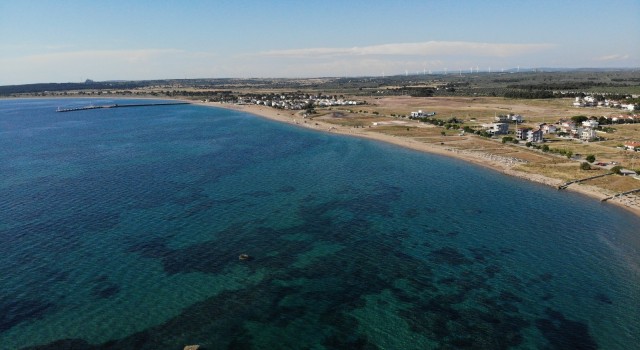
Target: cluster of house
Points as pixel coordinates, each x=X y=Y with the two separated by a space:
x=522 y=133
x=297 y=101
x=592 y=101
x=622 y=118
x=586 y=131
x=501 y=127
x=508 y=118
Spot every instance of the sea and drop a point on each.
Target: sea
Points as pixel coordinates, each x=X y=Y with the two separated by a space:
x=122 y=228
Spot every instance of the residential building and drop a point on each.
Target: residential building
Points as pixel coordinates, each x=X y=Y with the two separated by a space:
x=548 y=128
x=567 y=126
x=521 y=133
x=590 y=123
x=509 y=118
x=496 y=128
x=529 y=134
x=632 y=145
x=535 y=135
x=587 y=134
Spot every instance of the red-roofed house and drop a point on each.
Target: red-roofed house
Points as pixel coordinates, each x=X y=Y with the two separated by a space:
x=632 y=145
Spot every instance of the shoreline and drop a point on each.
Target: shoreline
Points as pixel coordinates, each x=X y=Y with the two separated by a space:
x=486 y=160
x=493 y=162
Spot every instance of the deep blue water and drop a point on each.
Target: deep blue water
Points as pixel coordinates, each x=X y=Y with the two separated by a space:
x=121 y=228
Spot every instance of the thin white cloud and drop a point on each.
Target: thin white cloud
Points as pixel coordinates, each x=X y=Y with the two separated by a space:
x=106 y=65
x=615 y=57
x=117 y=55
x=429 y=48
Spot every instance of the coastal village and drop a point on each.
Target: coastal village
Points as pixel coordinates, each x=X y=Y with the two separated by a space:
x=585 y=129
x=294 y=101
x=539 y=147
x=566 y=135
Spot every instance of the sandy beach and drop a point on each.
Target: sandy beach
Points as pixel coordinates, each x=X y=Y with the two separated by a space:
x=496 y=162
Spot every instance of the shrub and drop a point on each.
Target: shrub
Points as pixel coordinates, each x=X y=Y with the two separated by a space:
x=545 y=148
x=585 y=166
x=616 y=169
x=506 y=139
x=590 y=158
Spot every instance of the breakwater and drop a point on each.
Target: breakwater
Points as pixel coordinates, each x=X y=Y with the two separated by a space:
x=74 y=109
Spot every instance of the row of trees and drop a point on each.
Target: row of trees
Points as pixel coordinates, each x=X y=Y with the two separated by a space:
x=529 y=94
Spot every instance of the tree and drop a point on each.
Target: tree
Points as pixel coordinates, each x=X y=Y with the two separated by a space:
x=603 y=121
x=590 y=158
x=579 y=118
x=585 y=166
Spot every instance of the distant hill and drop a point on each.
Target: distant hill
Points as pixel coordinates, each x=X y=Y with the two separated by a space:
x=42 y=87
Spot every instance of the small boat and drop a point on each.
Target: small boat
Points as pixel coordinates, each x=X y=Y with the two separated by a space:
x=244 y=257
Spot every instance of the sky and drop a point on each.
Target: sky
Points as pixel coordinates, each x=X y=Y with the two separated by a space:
x=71 y=41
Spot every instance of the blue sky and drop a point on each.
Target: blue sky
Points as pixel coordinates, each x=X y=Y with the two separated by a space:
x=70 y=41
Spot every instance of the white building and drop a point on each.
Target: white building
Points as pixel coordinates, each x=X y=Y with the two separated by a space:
x=417 y=114
x=590 y=123
x=548 y=128
x=587 y=134
x=496 y=128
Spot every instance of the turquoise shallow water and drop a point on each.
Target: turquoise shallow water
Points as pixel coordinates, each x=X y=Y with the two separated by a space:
x=121 y=228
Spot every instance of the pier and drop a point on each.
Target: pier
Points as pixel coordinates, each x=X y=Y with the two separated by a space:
x=620 y=194
x=566 y=184
x=120 y=106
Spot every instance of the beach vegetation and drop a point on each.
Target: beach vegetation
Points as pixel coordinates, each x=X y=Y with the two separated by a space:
x=511 y=139
x=616 y=169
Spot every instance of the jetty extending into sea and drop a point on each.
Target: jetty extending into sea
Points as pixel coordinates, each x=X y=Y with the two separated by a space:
x=74 y=109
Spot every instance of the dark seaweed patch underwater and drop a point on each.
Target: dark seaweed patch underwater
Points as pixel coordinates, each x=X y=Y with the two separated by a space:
x=123 y=230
